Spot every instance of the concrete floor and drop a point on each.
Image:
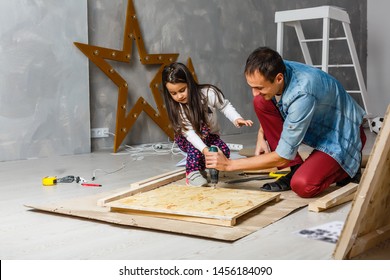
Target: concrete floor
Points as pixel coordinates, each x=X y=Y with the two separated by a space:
x=27 y=234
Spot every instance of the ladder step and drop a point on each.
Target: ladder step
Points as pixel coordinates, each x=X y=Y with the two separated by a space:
x=336 y=65
x=354 y=91
x=320 y=39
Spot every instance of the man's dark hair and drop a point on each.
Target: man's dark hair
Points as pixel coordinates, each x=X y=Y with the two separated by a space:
x=267 y=61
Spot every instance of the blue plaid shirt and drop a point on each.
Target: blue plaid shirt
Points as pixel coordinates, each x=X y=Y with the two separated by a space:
x=318 y=112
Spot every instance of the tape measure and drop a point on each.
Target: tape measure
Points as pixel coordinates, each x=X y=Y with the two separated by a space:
x=49 y=181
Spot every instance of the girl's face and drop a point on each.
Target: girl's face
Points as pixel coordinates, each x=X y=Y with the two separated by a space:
x=178 y=92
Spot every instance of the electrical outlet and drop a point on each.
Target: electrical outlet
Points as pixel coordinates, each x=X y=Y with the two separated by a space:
x=99 y=132
x=235 y=147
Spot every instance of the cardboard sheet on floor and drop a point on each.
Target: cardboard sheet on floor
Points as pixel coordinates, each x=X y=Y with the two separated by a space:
x=87 y=207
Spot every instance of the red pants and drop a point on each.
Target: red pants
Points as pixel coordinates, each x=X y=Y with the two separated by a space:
x=318 y=171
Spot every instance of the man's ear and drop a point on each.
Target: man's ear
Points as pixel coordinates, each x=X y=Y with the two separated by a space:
x=279 y=78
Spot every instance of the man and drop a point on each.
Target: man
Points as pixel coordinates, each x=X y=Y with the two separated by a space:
x=312 y=108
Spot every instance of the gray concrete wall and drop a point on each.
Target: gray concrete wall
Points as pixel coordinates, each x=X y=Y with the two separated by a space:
x=217 y=34
x=44 y=90
x=378 y=83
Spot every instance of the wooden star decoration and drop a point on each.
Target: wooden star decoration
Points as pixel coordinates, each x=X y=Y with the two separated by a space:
x=98 y=56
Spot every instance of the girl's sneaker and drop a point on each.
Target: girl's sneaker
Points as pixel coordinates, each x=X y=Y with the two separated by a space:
x=196 y=178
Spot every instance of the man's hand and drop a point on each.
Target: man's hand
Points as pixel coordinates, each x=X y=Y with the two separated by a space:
x=241 y=122
x=261 y=145
x=217 y=160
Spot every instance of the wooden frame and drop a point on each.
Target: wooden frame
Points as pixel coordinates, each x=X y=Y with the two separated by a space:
x=216 y=206
x=368 y=222
x=145 y=185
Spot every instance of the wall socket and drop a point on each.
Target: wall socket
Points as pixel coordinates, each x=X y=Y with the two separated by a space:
x=99 y=132
x=234 y=147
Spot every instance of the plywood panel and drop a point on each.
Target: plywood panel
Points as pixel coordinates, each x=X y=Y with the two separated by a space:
x=209 y=203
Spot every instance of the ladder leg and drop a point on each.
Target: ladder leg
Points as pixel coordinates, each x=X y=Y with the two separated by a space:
x=355 y=61
x=325 y=44
x=279 y=38
x=301 y=38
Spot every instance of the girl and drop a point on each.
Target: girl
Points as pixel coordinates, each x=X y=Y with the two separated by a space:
x=192 y=111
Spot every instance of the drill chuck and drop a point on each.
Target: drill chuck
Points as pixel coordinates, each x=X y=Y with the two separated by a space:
x=214 y=173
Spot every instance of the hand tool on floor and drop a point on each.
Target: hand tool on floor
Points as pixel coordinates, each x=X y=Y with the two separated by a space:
x=271 y=175
x=214 y=173
x=51 y=181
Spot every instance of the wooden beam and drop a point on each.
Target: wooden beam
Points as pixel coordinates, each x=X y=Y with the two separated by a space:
x=369 y=240
x=368 y=220
x=337 y=197
x=146 y=185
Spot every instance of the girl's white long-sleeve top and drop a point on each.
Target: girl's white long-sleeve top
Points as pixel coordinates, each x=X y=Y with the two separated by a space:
x=225 y=108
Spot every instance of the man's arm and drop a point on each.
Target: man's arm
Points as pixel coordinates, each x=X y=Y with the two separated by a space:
x=264 y=161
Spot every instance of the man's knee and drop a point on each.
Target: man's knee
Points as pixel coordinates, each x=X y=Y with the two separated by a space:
x=302 y=186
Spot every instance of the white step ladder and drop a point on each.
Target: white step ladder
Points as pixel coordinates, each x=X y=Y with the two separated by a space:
x=327 y=13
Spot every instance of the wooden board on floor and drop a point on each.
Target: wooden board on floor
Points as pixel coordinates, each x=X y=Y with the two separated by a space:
x=368 y=222
x=219 y=206
x=335 y=198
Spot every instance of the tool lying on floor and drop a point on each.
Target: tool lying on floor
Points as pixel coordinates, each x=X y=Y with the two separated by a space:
x=271 y=175
x=51 y=181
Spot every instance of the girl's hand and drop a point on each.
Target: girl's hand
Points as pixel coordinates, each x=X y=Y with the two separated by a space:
x=241 y=122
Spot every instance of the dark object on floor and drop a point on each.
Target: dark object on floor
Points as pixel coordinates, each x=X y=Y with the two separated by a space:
x=266 y=176
x=282 y=184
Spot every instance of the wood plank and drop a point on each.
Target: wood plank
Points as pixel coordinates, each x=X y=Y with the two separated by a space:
x=371 y=239
x=337 y=197
x=201 y=202
x=371 y=207
x=145 y=185
x=171 y=176
x=209 y=221
x=315 y=208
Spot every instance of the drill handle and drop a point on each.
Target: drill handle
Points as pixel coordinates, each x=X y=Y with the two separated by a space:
x=213 y=149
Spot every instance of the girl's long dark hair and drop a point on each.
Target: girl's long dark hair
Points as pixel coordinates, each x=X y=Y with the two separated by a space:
x=196 y=110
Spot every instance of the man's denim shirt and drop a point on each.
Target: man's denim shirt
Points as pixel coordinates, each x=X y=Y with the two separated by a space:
x=318 y=112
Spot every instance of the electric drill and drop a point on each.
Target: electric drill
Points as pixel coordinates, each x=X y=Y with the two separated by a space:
x=213 y=172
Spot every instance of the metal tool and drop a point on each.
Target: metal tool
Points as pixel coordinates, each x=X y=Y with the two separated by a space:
x=214 y=173
x=271 y=175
